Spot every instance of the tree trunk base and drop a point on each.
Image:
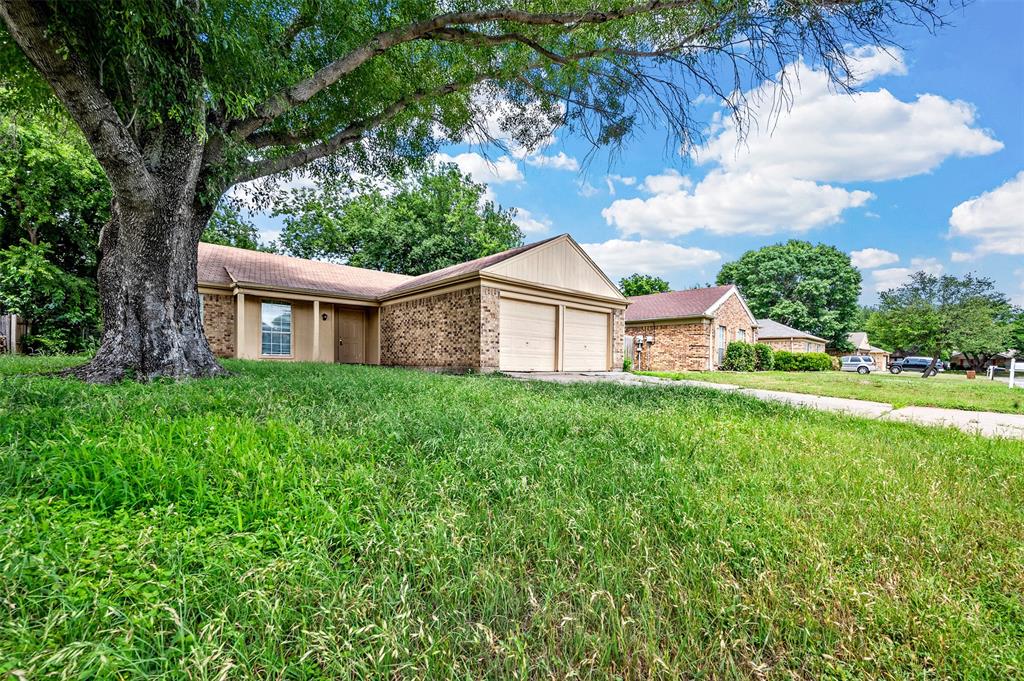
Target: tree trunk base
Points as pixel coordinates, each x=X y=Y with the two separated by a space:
x=103 y=370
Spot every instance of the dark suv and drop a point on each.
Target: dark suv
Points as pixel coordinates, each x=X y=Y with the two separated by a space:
x=920 y=364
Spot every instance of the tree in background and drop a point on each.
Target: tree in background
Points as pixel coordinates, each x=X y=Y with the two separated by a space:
x=228 y=227
x=1016 y=341
x=60 y=308
x=52 y=190
x=433 y=219
x=638 y=284
x=181 y=100
x=810 y=287
x=939 y=315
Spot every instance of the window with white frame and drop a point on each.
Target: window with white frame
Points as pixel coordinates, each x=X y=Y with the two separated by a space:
x=276 y=325
x=741 y=335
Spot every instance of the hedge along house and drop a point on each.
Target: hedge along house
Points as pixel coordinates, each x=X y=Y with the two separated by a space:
x=782 y=337
x=688 y=330
x=540 y=307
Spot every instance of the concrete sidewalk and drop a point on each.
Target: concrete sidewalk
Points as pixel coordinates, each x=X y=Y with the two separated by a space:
x=987 y=423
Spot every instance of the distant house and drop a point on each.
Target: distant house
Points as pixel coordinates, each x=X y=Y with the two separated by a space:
x=782 y=337
x=688 y=330
x=958 y=361
x=859 y=340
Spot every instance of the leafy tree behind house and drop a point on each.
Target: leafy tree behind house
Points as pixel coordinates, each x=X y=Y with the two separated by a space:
x=179 y=101
x=810 y=287
x=939 y=315
x=228 y=227
x=433 y=219
x=638 y=284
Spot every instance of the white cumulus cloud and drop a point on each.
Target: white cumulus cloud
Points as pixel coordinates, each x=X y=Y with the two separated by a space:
x=560 y=161
x=734 y=203
x=482 y=169
x=777 y=176
x=832 y=136
x=891 y=277
x=995 y=219
x=870 y=258
x=530 y=224
x=620 y=257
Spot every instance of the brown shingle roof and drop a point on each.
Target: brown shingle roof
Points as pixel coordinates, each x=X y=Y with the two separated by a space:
x=463 y=268
x=694 y=302
x=228 y=265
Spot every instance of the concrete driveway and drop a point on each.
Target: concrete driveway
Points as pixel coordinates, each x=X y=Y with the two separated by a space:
x=987 y=423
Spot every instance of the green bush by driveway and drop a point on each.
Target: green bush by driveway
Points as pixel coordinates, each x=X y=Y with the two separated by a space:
x=310 y=521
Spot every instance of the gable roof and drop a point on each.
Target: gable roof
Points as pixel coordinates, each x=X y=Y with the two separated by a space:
x=859 y=340
x=463 y=268
x=694 y=302
x=227 y=266
x=769 y=328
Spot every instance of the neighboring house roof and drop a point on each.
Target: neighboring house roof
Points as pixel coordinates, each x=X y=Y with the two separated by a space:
x=859 y=340
x=769 y=328
x=1006 y=354
x=463 y=268
x=229 y=265
x=694 y=302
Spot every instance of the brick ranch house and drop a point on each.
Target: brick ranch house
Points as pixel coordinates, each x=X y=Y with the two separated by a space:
x=541 y=307
x=782 y=337
x=688 y=330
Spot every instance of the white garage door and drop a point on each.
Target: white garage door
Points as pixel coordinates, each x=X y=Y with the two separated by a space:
x=586 y=341
x=527 y=336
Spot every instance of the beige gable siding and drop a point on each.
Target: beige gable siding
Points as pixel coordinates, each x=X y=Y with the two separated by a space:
x=558 y=264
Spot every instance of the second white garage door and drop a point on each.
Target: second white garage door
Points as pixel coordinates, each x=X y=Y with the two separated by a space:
x=586 y=341
x=527 y=333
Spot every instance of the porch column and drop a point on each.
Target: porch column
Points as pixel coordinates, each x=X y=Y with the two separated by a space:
x=239 y=324
x=316 y=330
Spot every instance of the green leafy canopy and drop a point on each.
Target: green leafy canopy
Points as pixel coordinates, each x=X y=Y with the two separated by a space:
x=638 y=284
x=425 y=222
x=810 y=287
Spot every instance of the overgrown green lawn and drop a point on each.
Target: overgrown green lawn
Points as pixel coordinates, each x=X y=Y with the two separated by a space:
x=305 y=521
x=953 y=391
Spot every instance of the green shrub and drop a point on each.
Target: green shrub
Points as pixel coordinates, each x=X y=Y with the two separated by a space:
x=764 y=357
x=739 y=356
x=627 y=364
x=802 y=361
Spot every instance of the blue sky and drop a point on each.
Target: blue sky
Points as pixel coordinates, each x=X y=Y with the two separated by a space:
x=922 y=169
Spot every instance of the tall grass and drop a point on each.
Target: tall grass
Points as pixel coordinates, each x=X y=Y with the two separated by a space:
x=307 y=521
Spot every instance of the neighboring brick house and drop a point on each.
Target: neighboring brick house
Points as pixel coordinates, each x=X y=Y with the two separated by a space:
x=541 y=307
x=861 y=346
x=687 y=330
x=782 y=337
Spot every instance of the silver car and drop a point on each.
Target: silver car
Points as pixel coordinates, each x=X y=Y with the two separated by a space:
x=859 y=363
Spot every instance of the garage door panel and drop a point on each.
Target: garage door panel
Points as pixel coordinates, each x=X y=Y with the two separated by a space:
x=586 y=340
x=527 y=336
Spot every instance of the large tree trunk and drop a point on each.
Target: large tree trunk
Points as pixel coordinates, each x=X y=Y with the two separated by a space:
x=150 y=303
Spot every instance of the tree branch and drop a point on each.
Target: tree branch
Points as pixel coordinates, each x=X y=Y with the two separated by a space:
x=89 y=106
x=306 y=89
x=351 y=133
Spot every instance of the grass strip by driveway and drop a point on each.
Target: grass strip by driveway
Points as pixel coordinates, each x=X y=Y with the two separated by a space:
x=316 y=521
x=952 y=391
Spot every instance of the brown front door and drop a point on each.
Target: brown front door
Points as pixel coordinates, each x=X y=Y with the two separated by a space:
x=351 y=333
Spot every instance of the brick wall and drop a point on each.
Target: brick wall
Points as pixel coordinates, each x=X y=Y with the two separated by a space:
x=794 y=344
x=677 y=347
x=455 y=331
x=490 y=325
x=219 y=323
x=618 y=333
x=733 y=317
